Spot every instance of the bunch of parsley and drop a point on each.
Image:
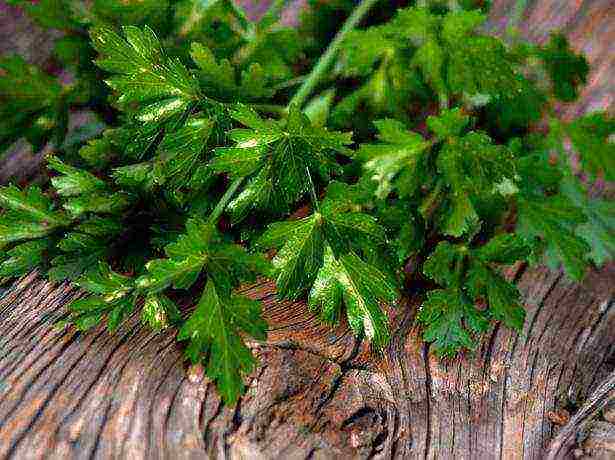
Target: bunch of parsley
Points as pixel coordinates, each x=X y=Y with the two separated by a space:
x=405 y=150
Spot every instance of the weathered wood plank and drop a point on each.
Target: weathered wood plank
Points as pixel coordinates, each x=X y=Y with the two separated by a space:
x=318 y=393
x=71 y=395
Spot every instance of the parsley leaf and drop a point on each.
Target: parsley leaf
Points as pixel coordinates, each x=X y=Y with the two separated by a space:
x=214 y=334
x=358 y=285
x=451 y=315
x=143 y=73
x=28 y=215
x=320 y=253
x=112 y=297
x=197 y=249
x=276 y=156
x=23 y=258
x=566 y=69
x=599 y=229
x=31 y=103
x=592 y=136
x=395 y=162
x=450 y=321
x=552 y=222
x=220 y=79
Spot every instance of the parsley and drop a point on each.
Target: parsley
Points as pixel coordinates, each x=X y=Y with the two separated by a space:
x=398 y=161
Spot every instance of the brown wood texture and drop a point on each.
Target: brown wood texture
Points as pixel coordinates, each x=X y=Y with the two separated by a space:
x=318 y=393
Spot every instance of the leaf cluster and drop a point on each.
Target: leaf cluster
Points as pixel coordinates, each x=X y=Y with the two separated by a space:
x=418 y=168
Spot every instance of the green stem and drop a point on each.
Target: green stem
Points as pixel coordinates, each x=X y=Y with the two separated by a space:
x=272 y=109
x=256 y=33
x=240 y=15
x=275 y=11
x=290 y=83
x=327 y=58
x=517 y=13
x=228 y=195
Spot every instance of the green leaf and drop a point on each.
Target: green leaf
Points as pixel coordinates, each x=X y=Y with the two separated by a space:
x=567 y=70
x=179 y=153
x=221 y=81
x=73 y=181
x=112 y=297
x=593 y=138
x=197 y=249
x=143 y=73
x=506 y=248
x=72 y=265
x=382 y=55
x=503 y=297
x=84 y=248
x=278 y=157
x=460 y=270
x=395 y=163
x=214 y=334
x=98 y=153
x=29 y=103
x=410 y=239
x=211 y=22
x=360 y=287
x=277 y=50
x=86 y=313
x=599 y=230
x=472 y=167
x=107 y=227
x=28 y=215
x=30 y=203
x=430 y=59
x=159 y=312
x=445 y=264
x=448 y=123
x=320 y=253
x=451 y=321
x=476 y=64
x=23 y=258
x=138 y=175
x=104 y=203
x=363 y=49
x=319 y=108
x=138 y=12
x=513 y=112
x=106 y=282
x=301 y=253
x=553 y=220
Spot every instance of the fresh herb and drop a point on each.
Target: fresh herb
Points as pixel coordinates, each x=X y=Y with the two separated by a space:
x=402 y=154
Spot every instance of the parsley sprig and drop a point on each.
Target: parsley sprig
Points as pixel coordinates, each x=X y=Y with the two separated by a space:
x=402 y=157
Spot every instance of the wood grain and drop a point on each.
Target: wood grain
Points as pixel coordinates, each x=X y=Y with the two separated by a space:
x=318 y=393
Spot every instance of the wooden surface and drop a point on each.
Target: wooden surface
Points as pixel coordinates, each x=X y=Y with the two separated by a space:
x=318 y=393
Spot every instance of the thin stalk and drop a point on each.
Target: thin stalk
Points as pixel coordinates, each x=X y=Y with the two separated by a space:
x=511 y=34
x=257 y=32
x=240 y=15
x=290 y=83
x=327 y=58
x=272 y=109
x=274 y=12
x=517 y=13
x=228 y=195
x=443 y=99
